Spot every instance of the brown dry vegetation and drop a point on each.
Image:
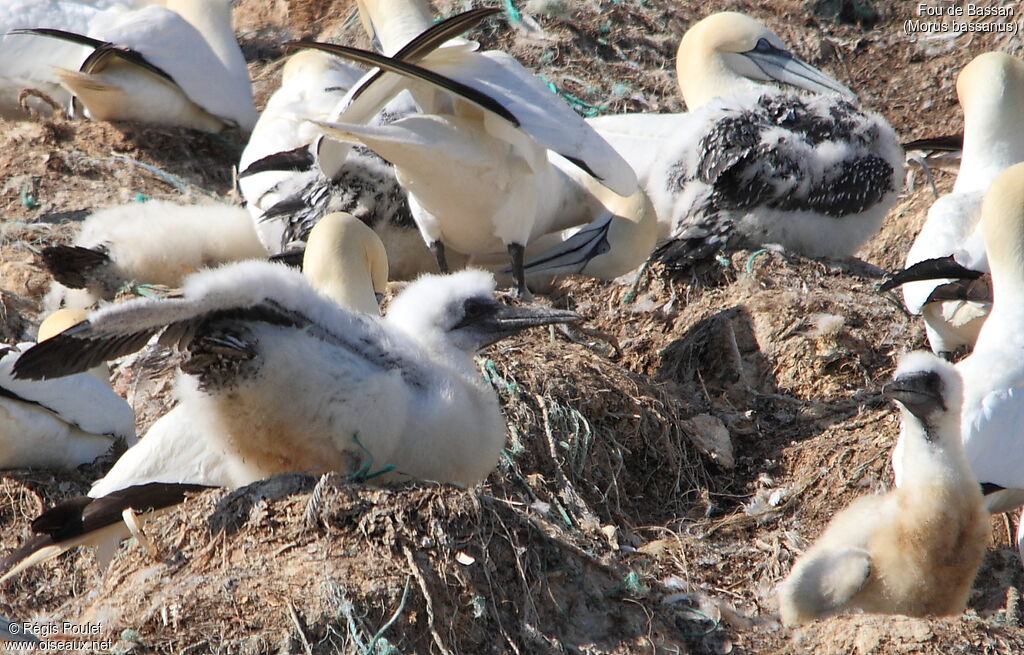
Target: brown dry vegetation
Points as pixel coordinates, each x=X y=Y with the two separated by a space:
x=610 y=526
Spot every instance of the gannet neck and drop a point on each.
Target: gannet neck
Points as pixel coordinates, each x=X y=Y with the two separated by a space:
x=395 y=22
x=346 y=261
x=1002 y=221
x=702 y=72
x=991 y=92
x=212 y=19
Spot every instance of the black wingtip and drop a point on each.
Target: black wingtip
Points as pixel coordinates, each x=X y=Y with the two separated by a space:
x=412 y=71
x=72 y=266
x=297 y=160
x=83 y=514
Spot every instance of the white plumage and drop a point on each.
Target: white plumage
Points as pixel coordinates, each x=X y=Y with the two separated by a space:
x=287 y=190
x=287 y=381
x=155 y=242
x=991 y=92
x=916 y=549
x=312 y=83
x=58 y=423
x=993 y=375
x=752 y=165
x=500 y=140
x=177 y=65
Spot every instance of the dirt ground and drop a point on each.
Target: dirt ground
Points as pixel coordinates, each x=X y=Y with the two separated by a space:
x=665 y=465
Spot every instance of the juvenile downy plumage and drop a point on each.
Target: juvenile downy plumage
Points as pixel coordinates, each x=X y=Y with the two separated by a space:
x=58 y=423
x=916 y=549
x=286 y=380
x=344 y=262
x=750 y=164
x=949 y=248
x=175 y=65
x=155 y=242
x=278 y=378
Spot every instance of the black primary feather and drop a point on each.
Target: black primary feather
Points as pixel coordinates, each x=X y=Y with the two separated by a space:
x=73 y=266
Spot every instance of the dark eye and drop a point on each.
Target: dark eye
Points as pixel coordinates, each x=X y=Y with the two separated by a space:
x=475 y=308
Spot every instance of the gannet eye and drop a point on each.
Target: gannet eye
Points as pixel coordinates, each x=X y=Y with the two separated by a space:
x=764 y=47
x=474 y=308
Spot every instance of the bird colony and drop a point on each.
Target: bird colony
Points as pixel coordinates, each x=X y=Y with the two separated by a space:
x=447 y=180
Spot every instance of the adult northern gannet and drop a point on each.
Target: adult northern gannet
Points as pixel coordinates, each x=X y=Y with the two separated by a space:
x=176 y=65
x=58 y=423
x=483 y=118
x=916 y=549
x=345 y=261
x=155 y=242
x=991 y=91
x=312 y=83
x=993 y=375
x=750 y=164
x=286 y=190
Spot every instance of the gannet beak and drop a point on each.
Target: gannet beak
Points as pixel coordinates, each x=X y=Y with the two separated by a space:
x=939 y=268
x=766 y=63
x=920 y=392
x=495 y=321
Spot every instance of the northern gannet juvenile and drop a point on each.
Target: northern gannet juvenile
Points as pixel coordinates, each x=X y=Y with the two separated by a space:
x=993 y=375
x=916 y=549
x=285 y=380
x=991 y=91
x=176 y=65
x=750 y=164
x=483 y=118
x=345 y=262
x=155 y=242
x=58 y=423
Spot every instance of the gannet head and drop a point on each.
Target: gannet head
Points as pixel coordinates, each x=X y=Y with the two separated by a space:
x=346 y=261
x=305 y=66
x=460 y=310
x=991 y=91
x=61 y=320
x=729 y=52
x=928 y=387
x=1002 y=224
x=990 y=78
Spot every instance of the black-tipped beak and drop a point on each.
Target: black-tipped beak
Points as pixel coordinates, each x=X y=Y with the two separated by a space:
x=919 y=392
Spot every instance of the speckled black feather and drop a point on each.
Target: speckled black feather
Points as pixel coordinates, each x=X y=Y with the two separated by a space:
x=745 y=173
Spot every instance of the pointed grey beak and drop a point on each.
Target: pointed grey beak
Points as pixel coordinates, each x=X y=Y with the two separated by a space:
x=920 y=393
x=573 y=254
x=780 y=65
x=495 y=321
